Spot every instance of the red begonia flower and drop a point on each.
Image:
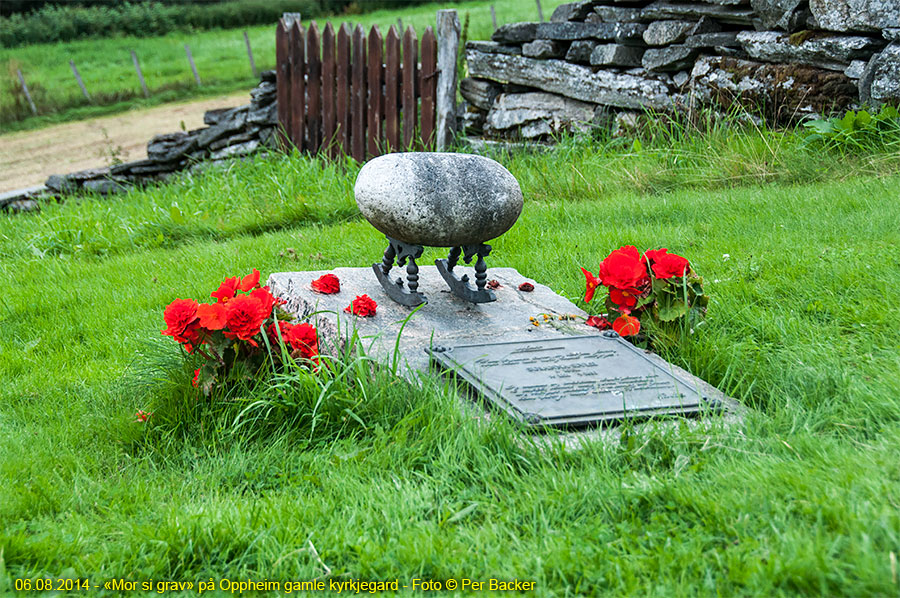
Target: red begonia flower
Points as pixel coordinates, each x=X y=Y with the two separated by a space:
x=212 y=315
x=326 y=284
x=592 y=283
x=142 y=416
x=598 y=322
x=244 y=316
x=653 y=255
x=670 y=265
x=227 y=289
x=299 y=337
x=363 y=305
x=627 y=325
x=493 y=284
x=623 y=269
x=265 y=297
x=250 y=281
x=526 y=287
x=181 y=319
x=196 y=377
x=623 y=297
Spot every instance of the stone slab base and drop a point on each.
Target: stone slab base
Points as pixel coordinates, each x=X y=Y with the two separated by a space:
x=447 y=320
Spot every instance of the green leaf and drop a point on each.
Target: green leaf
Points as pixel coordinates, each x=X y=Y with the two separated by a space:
x=176 y=214
x=670 y=309
x=637 y=146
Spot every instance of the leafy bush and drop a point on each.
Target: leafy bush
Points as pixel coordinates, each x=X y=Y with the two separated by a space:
x=857 y=131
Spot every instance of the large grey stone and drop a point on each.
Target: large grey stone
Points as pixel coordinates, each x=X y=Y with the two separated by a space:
x=574 y=81
x=856 y=69
x=784 y=91
x=479 y=92
x=245 y=135
x=544 y=48
x=856 y=15
x=438 y=199
x=573 y=11
x=727 y=39
x=106 y=186
x=666 y=9
x=620 y=32
x=891 y=33
x=833 y=52
x=616 y=55
x=546 y=113
x=263 y=94
x=493 y=47
x=580 y=51
x=230 y=122
x=171 y=146
x=618 y=14
x=663 y=33
x=239 y=149
x=880 y=80
x=777 y=14
x=515 y=33
x=670 y=58
x=267 y=115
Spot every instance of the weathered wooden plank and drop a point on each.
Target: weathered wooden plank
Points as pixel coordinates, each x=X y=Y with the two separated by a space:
x=297 y=107
x=283 y=81
x=376 y=93
x=448 y=47
x=391 y=90
x=75 y=72
x=428 y=86
x=313 y=88
x=358 y=96
x=410 y=108
x=328 y=90
x=342 y=101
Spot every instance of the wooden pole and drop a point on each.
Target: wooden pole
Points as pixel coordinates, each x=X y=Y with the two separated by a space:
x=540 y=12
x=140 y=75
x=250 y=54
x=448 y=30
x=27 y=95
x=187 y=50
x=75 y=72
x=494 y=17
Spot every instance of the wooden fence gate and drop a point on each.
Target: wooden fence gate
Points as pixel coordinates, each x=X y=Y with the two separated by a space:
x=353 y=94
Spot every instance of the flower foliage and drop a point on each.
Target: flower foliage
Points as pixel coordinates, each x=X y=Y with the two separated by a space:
x=655 y=287
x=232 y=333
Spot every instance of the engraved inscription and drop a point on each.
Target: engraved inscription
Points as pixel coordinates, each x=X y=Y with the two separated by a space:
x=571 y=380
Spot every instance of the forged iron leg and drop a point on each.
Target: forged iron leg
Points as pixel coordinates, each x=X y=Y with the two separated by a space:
x=402 y=252
x=460 y=285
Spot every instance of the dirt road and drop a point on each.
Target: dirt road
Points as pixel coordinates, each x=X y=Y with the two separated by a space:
x=27 y=158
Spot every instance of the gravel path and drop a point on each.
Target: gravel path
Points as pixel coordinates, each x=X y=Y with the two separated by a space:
x=27 y=158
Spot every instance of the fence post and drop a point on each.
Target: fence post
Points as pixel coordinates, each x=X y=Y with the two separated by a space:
x=27 y=95
x=140 y=75
x=540 y=12
x=78 y=79
x=250 y=54
x=187 y=50
x=448 y=30
x=494 y=17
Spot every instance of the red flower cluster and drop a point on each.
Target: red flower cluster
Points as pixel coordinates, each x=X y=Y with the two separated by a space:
x=301 y=338
x=363 y=305
x=230 y=329
x=640 y=284
x=326 y=284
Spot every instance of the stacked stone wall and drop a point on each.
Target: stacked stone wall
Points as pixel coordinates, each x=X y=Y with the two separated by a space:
x=598 y=62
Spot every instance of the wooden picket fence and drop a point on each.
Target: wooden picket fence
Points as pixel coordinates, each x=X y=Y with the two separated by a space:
x=353 y=94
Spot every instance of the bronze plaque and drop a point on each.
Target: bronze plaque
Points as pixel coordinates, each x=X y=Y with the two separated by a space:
x=572 y=381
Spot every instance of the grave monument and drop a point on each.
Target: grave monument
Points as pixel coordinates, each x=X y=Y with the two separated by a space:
x=568 y=375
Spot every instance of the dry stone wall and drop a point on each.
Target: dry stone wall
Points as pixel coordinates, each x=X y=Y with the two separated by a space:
x=600 y=61
x=230 y=133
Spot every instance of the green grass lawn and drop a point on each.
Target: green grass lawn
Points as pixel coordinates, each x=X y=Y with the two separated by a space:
x=799 y=252
x=220 y=56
